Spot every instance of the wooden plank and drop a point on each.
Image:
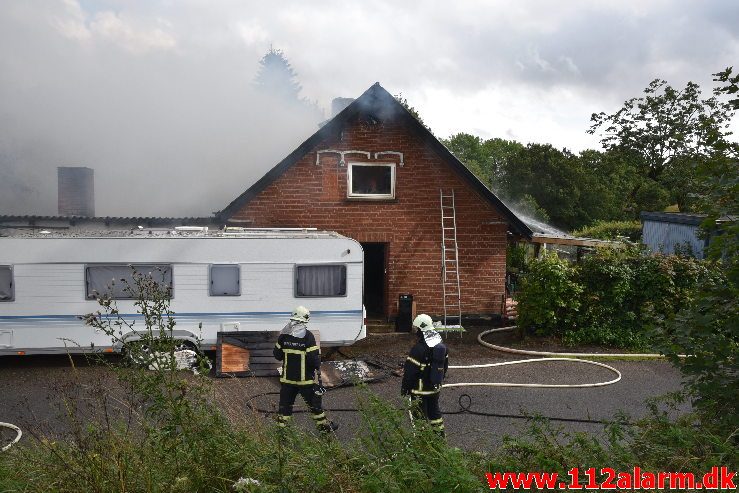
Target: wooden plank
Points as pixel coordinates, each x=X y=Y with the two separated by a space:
x=233 y=358
x=261 y=351
x=589 y=242
x=263 y=373
x=260 y=366
x=245 y=354
x=267 y=346
x=263 y=359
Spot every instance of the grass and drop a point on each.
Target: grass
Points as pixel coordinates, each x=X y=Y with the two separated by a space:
x=200 y=448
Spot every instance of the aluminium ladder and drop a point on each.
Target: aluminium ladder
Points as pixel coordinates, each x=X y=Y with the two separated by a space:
x=450 y=263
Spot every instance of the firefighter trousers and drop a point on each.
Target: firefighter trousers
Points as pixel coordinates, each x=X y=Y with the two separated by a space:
x=427 y=407
x=288 y=393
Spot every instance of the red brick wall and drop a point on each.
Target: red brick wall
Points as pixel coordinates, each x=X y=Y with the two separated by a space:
x=315 y=196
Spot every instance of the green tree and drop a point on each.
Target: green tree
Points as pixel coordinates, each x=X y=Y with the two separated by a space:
x=546 y=177
x=666 y=132
x=484 y=158
x=707 y=330
x=277 y=77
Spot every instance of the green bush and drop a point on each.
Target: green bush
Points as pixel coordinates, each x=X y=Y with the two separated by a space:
x=549 y=296
x=612 y=297
x=610 y=230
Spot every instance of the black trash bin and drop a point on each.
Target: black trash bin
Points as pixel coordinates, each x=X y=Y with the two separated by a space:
x=404 y=322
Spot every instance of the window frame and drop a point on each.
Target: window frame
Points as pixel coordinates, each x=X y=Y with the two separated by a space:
x=370 y=196
x=12 y=283
x=210 y=280
x=114 y=264
x=345 y=279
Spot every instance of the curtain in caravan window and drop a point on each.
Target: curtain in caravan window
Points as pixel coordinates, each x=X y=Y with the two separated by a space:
x=321 y=280
x=6 y=283
x=224 y=280
x=113 y=280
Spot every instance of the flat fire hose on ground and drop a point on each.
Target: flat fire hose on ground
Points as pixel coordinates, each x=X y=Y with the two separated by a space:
x=547 y=356
x=18 y=435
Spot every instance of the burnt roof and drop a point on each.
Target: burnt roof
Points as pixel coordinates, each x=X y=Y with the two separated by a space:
x=379 y=103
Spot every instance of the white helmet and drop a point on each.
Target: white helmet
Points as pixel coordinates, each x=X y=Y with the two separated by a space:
x=300 y=314
x=424 y=323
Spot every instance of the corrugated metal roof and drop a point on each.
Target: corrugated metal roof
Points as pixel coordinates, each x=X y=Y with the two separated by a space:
x=673 y=217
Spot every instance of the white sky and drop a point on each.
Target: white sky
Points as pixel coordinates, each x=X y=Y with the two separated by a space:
x=156 y=95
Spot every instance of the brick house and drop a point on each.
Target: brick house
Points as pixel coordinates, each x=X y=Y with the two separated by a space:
x=376 y=174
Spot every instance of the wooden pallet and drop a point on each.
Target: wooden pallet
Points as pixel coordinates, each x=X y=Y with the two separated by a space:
x=248 y=354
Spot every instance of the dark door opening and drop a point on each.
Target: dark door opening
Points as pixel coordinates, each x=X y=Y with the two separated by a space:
x=374 y=278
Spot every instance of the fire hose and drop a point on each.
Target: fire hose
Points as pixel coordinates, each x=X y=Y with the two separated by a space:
x=547 y=356
x=17 y=438
x=465 y=401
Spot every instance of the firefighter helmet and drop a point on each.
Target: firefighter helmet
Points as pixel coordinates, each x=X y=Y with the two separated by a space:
x=424 y=324
x=300 y=314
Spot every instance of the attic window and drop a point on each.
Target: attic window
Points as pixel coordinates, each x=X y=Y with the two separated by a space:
x=371 y=181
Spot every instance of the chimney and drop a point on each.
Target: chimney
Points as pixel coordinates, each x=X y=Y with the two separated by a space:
x=338 y=105
x=76 y=191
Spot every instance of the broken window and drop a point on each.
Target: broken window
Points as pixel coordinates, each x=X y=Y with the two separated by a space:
x=117 y=281
x=371 y=181
x=224 y=280
x=320 y=280
x=6 y=283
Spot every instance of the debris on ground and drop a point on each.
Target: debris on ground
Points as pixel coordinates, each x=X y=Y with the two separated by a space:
x=184 y=359
x=351 y=371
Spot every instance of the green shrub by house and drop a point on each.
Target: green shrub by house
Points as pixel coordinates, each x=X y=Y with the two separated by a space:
x=613 y=297
x=611 y=230
x=548 y=297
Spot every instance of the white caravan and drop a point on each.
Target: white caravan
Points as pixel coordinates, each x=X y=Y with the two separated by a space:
x=248 y=280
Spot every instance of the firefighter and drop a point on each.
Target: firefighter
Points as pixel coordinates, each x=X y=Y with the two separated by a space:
x=423 y=372
x=301 y=358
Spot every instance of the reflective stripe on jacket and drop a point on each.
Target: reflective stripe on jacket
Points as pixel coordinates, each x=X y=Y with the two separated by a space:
x=300 y=358
x=425 y=368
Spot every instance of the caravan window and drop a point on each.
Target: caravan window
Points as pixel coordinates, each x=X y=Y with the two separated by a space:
x=6 y=283
x=117 y=280
x=320 y=280
x=224 y=280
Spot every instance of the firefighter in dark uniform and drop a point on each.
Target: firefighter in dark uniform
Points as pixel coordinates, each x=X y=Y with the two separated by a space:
x=301 y=358
x=424 y=371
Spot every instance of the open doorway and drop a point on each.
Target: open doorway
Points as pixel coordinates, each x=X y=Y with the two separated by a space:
x=375 y=255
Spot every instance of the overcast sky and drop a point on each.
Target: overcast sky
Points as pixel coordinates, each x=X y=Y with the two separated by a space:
x=156 y=95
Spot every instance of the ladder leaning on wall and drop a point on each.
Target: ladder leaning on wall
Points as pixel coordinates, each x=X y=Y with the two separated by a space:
x=450 y=264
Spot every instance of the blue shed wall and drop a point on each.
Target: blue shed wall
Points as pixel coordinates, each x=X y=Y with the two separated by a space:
x=663 y=237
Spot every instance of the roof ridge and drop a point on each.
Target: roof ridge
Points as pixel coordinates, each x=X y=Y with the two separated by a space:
x=375 y=90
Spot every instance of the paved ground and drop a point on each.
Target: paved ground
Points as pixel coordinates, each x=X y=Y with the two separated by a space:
x=31 y=387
